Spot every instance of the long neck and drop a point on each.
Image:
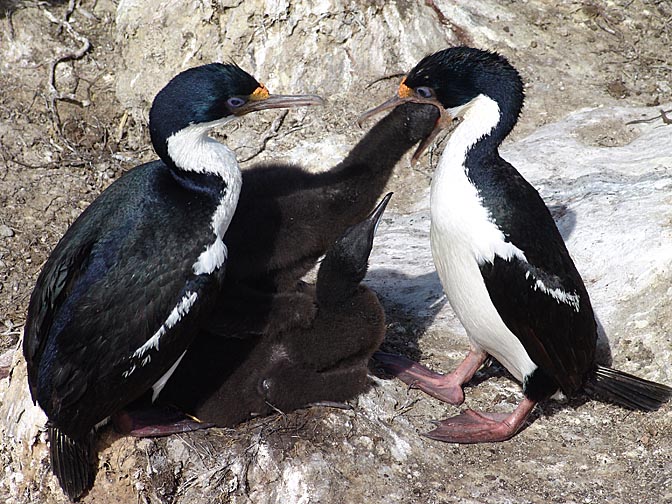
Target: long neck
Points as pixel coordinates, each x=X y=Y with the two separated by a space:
x=344 y=267
x=335 y=284
x=202 y=164
x=478 y=135
x=456 y=203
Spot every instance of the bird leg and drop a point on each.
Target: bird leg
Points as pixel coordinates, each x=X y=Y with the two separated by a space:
x=445 y=387
x=155 y=422
x=476 y=427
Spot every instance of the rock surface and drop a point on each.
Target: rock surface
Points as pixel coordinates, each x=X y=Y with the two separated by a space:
x=607 y=183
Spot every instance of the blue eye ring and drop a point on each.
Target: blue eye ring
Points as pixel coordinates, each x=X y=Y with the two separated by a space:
x=424 y=92
x=235 y=102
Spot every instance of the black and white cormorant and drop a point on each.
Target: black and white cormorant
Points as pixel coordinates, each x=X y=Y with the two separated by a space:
x=501 y=260
x=290 y=368
x=118 y=302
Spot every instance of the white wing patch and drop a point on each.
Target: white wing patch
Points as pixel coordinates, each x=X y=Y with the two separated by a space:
x=561 y=296
x=161 y=382
x=211 y=258
x=174 y=317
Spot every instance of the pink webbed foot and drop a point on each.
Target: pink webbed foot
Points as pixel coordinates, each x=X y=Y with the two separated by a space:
x=438 y=385
x=155 y=422
x=445 y=387
x=475 y=427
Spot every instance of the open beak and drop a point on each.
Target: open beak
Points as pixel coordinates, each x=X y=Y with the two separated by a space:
x=405 y=95
x=261 y=99
x=444 y=120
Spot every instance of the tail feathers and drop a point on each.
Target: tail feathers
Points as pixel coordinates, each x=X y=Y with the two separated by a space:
x=73 y=462
x=628 y=390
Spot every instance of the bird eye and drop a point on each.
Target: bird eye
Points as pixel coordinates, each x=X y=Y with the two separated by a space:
x=235 y=102
x=424 y=92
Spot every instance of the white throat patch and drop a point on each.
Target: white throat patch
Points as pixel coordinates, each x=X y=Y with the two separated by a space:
x=193 y=150
x=455 y=203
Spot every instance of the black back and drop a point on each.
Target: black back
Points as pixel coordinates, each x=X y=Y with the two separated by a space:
x=559 y=337
x=109 y=283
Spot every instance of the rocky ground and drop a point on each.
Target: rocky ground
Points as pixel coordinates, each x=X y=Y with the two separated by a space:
x=77 y=79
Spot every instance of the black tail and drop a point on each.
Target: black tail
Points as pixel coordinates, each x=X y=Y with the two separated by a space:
x=628 y=390
x=73 y=462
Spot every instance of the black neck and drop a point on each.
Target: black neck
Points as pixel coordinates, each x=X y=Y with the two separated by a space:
x=339 y=275
x=205 y=183
x=486 y=147
x=334 y=287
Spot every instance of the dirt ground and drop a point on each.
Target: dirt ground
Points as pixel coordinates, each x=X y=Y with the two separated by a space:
x=64 y=136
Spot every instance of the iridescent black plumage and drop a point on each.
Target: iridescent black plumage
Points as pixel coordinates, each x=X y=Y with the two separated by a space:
x=120 y=297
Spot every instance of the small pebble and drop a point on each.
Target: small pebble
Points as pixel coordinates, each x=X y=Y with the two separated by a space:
x=6 y=231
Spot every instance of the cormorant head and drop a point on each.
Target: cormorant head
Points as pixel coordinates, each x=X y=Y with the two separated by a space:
x=211 y=95
x=452 y=79
x=347 y=260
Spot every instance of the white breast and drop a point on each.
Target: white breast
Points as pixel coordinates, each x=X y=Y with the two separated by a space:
x=463 y=235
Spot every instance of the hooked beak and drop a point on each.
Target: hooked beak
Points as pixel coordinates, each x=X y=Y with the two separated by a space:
x=261 y=99
x=442 y=122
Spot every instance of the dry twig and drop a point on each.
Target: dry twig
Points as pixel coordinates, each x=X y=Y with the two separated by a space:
x=54 y=94
x=384 y=77
x=663 y=115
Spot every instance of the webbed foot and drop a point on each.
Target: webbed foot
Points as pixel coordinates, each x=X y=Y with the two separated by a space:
x=476 y=427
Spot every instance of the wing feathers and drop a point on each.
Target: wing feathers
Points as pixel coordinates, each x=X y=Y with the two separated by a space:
x=554 y=323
